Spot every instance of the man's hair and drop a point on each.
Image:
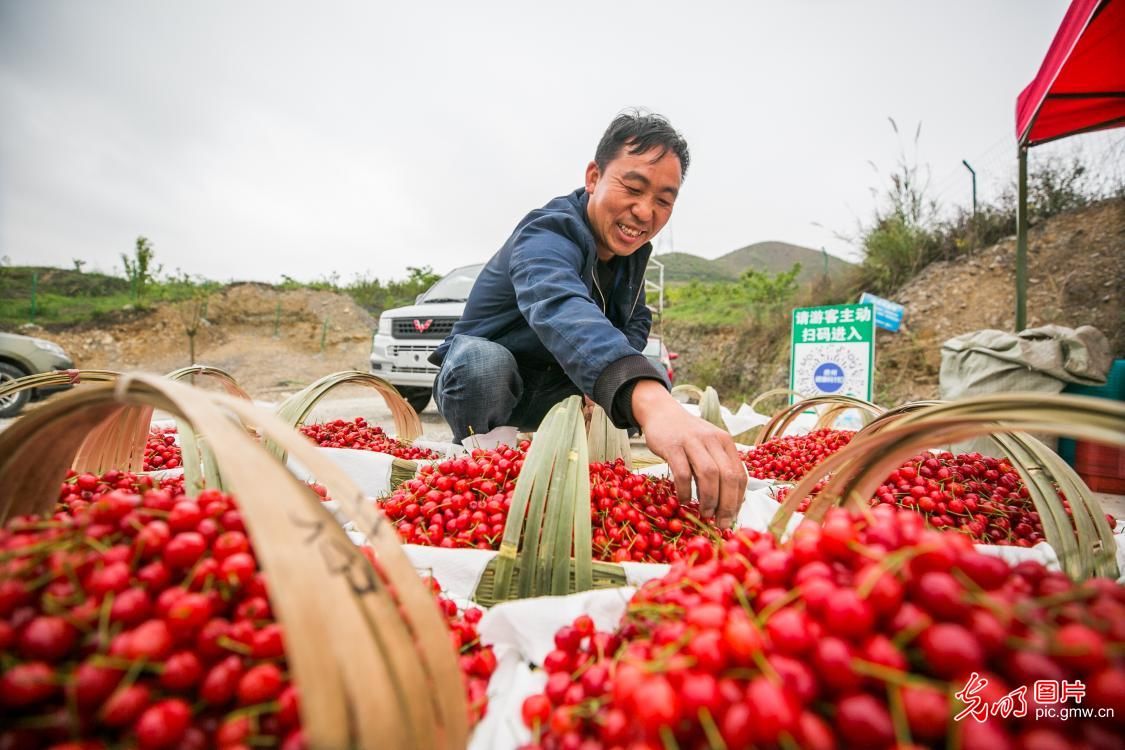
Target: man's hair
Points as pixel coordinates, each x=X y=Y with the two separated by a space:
x=641 y=131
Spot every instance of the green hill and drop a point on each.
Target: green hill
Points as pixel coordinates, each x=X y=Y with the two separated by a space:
x=773 y=257
x=17 y=282
x=61 y=297
x=769 y=257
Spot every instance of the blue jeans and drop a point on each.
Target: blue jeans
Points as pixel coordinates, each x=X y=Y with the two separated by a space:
x=481 y=386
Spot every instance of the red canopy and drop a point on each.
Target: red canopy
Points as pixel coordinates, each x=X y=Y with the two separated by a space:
x=1081 y=84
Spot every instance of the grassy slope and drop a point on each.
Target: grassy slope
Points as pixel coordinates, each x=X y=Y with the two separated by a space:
x=61 y=296
x=65 y=297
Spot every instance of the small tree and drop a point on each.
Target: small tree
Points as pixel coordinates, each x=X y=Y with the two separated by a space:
x=193 y=314
x=140 y=269
x=768 y=293
x=78 y=263
x=899 y=242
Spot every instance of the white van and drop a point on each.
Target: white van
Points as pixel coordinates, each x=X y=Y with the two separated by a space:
x=408 y=335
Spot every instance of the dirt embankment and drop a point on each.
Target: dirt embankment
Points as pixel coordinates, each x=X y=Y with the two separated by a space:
x=1076 y=276
x=237 y=334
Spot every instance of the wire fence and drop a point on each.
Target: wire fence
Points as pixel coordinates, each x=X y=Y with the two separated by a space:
x=1102 y=153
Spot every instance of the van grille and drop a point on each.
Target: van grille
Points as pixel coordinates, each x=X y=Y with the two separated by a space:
x=420 y=366
x=435 y=328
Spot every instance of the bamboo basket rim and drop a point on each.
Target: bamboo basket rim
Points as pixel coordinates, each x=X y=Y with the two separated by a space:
x=1041 y=470
x=688 y=389
x=781 y=420
x=853 y=480
x=106 y=446
x=296 y=409
x=408 y=425
x=221 y=376
x=771 y=393
x=74 y=376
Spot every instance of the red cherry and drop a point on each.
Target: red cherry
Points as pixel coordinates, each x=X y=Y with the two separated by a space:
x=776 y=712
x=184 y=550
x=125 y=705
x=47 y=638
x=261 y=683
x=27 y=684
x=535 y=711
x=182 y=670
x=163 y=724
x=864 y=721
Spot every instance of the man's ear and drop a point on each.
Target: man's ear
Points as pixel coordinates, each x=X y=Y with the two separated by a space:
x=593 y=174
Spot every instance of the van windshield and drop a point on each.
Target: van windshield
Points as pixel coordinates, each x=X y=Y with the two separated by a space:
x=454 y=286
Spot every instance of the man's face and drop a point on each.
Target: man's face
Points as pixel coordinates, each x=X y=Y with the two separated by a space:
x=631 y=200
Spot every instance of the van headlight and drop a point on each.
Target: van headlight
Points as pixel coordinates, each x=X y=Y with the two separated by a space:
x=49 y=346
x=384 y=326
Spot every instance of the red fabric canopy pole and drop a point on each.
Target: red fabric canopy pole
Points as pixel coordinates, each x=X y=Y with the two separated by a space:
x=1079 y=88
x=1081 y=85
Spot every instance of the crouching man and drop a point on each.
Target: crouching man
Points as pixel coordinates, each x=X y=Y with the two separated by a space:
x=560 y=310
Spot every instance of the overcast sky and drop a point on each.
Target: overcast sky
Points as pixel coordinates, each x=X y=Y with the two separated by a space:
x=248 y=140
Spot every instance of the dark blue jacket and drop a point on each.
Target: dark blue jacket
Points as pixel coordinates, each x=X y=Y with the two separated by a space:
x=539 y=297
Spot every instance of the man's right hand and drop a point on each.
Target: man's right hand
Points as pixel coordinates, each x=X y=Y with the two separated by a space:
x=693 y=448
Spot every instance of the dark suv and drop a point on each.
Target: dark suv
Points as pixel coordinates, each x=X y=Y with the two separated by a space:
x=21 y=356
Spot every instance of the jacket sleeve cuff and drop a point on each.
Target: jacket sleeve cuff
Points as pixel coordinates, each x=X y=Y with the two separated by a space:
x=613 y=390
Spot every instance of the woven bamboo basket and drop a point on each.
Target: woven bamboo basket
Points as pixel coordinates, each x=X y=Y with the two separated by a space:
x=296 y=409
x=606 y=442
x=116 y=444
x=119 y=443
x=1083 y=540
x=547 y=547
x=201 y=469
x=836 y=405
x=750 y=435
x=367 y=646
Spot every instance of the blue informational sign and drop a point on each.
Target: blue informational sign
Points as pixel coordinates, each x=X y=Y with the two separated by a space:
x=888 y=315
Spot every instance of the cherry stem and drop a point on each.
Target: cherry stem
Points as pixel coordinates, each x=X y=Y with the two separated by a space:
x=710 y=730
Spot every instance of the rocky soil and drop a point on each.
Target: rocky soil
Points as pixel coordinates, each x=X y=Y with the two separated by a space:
x=236 y=334
x=1076 y=276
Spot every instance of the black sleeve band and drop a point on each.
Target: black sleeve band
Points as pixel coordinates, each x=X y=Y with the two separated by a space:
x=613 y=390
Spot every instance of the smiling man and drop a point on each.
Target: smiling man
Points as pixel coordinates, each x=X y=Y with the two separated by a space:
x=560 y=310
